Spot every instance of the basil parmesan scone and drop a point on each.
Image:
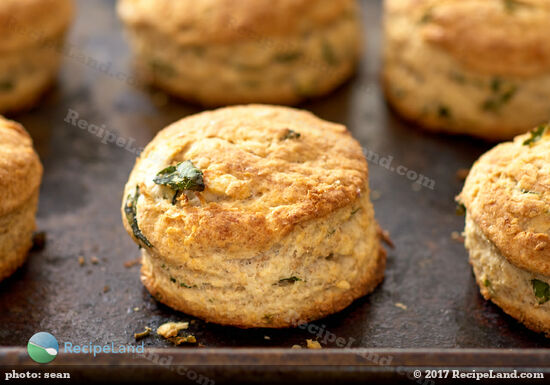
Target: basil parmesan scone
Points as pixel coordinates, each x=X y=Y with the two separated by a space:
x=32 y=33
x=507 y=201
x=254 y=216
x=476 y=67
x=20 y=177
x=219 y=52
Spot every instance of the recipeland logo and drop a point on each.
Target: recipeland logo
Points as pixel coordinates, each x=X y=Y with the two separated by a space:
x=42 y=348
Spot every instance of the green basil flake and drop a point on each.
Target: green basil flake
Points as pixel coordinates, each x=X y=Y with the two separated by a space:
x=541 y=290
x=500 y=98
x=460 y=209
x=182 y=177
x=290 y=134
x=290 y=280
x=6 y=85
x=130 y=209
x=328 y=54
x=536 y=135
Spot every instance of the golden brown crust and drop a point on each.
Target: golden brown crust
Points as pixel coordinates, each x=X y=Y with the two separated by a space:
x=507 y=194
x=493 y=37
x=28 y=22
x=258 y=186
x=223 y=21
x=20 y=167
x=320 y=307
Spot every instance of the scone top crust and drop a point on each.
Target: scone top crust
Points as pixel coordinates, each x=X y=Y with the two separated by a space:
x=226 y=21
x=507 y=194
x=20 y=167
x=494 y=37
x=261 y=179
x=27 y=22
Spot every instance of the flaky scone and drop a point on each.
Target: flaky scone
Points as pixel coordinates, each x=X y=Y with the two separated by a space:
x=476 y=67
x=219 y=52
x=254 y=216
x=20 y=177
x=32 y=34
x=507 y=201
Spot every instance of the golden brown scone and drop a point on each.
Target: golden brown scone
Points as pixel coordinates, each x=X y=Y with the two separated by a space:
x=283 y=231
x=219 y=52
x=507 y=201
x=476 y=67
x=20 y=177
x=30 y=49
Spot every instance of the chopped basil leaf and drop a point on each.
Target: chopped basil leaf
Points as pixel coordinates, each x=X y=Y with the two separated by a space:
x=287 y=57
x=355 y=211
x=487 y=283
x=289 y=280
x=186 y=286
x=541 y=290
x=536 y=135
x=290 y=134
x=500 y=98
x=130 y=209
x=162 y=69
x=182 y=177
x=444 y=112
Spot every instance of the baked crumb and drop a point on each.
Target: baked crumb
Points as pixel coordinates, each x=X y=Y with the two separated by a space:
x=143 y=334
x=81 y=261
x=401 y=305
x=171 y=329
x=133 y=262
x=456 y=236
x=462 y=173
x=311 y=344
x=296 y=347
x=94 y=260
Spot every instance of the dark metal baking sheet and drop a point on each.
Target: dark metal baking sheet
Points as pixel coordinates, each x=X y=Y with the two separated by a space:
x=427 y=272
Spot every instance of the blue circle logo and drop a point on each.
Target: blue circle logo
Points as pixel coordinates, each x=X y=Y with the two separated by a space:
x=42 y=348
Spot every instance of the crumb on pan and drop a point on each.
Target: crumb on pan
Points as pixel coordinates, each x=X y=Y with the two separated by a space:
x=106 y=288
x=171 y=329
x=401 y=305
x=296 y=347
x=456 y=236
x=38 y=241
x=311 y=344
x=81 y=261
x=131 y=263
x=143 y=334
x=94 y=260
x=462 y=173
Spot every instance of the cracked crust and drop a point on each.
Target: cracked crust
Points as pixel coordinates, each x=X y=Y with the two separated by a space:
x=225 y=21
x=258 y=187
x=493 y=37
x=25 y=23
x=507 y=194
x=274 y=209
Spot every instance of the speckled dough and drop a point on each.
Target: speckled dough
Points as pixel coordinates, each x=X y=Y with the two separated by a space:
x=507 y=200
x=20 y=177
x=476 y=67
x=219 y=52
x=30 y=49
x=273 y=209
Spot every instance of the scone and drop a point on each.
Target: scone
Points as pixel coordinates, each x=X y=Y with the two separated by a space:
x=219 y=52
x=20 y=177
x=30 y=48
x=254 y=216
x=507 y=202
x=475 y=67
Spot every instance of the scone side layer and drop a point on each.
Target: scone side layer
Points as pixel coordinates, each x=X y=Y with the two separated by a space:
x=317 y=270
x=16 y=229
x=506 y=285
